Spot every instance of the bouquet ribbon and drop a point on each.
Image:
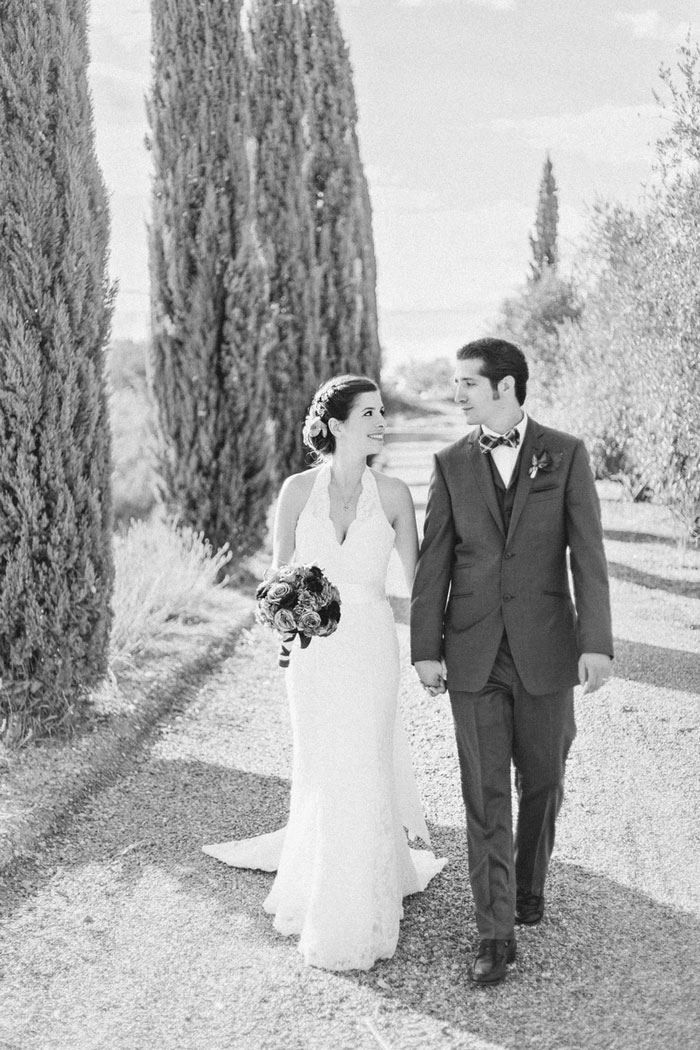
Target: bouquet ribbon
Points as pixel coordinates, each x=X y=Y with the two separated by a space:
x=286 y=645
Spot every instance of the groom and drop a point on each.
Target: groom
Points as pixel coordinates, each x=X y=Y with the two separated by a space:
x=492 y=600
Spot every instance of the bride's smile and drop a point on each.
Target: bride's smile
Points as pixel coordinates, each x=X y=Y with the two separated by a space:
x=363 y=427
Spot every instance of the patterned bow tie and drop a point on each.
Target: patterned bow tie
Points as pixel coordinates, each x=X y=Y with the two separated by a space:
x=488 y=442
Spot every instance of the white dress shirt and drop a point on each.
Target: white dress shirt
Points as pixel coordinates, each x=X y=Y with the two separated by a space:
x=504 y=456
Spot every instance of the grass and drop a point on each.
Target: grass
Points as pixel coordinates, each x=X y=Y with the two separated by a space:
x=163 y=572
x=43 y=784
x=172 y=625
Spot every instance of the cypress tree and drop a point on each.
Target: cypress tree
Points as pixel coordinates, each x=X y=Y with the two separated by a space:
x=544 y=241
x=340 y=202
x=208 y=279
x=314 y=210
x=56 y=569
x=279 y=105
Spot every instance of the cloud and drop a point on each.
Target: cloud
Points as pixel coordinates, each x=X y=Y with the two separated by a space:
x=495 y=5
x=435 y=256
x=610 y=134
x=651 y=25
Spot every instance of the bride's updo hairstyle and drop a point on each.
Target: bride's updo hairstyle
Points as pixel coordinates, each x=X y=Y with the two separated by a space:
x=333 y=400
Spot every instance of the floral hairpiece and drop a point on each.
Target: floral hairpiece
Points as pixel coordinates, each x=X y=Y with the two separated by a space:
x=328 y=392
x=314 y=426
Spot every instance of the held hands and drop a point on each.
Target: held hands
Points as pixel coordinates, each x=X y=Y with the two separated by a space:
x=433 y=676
x=593 y=671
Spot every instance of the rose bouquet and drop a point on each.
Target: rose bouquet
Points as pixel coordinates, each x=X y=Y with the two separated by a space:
x=298 y=600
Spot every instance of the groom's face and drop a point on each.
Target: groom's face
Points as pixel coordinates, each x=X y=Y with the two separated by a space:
x=474 y=393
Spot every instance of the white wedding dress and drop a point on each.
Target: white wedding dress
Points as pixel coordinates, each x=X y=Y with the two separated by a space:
x=343 y=862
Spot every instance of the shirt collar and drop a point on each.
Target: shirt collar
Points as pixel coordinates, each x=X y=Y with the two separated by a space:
x=520 y=427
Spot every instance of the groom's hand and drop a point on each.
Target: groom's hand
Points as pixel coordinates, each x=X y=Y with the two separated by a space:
x=432 y=676
x=593 y=671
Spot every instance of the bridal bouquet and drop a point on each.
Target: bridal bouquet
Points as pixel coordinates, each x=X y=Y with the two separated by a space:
x=298 y=600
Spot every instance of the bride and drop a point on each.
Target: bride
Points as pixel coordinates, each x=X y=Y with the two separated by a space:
x=343 y=862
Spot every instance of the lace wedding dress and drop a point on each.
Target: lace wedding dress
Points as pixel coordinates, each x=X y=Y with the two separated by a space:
x=343 y=862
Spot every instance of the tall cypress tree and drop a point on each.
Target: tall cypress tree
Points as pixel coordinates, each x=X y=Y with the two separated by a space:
x=543 y=242
x=56 y=569
x=279 y=106
x=314 y=210
x=208 y=278
x=340 y=202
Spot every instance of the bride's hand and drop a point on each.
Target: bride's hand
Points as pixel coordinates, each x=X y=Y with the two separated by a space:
x=432 y=676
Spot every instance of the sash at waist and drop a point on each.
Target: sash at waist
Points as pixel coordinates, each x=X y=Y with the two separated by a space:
x=361 y=594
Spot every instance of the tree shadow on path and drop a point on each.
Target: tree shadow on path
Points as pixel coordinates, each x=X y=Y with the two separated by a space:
x=657 y=666
x=608 y=966
x=629 y=574
x=629 y=536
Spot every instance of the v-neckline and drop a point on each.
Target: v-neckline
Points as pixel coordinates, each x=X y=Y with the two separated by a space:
x=341 y=543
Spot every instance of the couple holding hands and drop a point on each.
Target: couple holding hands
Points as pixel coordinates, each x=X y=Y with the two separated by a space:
x=511 y=507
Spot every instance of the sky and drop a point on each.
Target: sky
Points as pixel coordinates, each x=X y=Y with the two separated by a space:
x=459 y=102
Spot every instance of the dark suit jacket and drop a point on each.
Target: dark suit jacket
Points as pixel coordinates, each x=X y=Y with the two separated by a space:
x=473 y=580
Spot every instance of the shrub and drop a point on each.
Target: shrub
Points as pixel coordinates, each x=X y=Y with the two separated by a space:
x=209 y=287
x=427 y=380
x=162 y=571
x=131 y=416
x=55 y=309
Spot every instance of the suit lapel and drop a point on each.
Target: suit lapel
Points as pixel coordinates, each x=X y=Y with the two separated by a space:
x=533 y=435
x=482 y=473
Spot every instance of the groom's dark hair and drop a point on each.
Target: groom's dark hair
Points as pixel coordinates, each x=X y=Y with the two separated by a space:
x=500 y=359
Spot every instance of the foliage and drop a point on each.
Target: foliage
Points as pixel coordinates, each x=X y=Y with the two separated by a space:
x=545 y=252
x=126 y=363
x=591 y=393
x=313 y=210
x=431 y=380
x=162 y=572
x=209 y=293
x=279 y=115
x=131 y=416
x=667 y=363
x=262 y=263
x=546 y=304
x=681 y=146
x=56 y=569
x=678 y=256
x=339 y=202
x=536 y=317
x=631 y=382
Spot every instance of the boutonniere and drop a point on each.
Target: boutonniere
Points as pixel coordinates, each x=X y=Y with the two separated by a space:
x=545 y=462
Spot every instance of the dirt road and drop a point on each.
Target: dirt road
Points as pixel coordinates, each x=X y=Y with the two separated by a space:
x=124 y=936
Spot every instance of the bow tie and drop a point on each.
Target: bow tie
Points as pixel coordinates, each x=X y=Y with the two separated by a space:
x=488 y=442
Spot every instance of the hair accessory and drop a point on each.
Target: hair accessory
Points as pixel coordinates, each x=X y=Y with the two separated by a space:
x=325 y=395
x=314 y=426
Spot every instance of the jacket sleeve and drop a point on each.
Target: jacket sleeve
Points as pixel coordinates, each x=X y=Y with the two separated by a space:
x=432 y=581
x=587 y=556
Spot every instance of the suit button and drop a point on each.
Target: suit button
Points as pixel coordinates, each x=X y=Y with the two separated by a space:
x=510 y=554
x=508 y=597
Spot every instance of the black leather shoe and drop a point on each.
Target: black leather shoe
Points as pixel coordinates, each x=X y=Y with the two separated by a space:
x=489 y=964
x=529 y=908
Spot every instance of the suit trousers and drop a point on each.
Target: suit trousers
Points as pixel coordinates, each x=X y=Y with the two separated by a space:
x=497 y=724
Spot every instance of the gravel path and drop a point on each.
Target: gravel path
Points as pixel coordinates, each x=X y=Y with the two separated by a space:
x=125 y=936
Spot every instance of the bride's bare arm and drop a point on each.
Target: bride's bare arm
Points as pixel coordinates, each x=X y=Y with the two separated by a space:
x=404 y=524
x=286 y=514
x=290 y=502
